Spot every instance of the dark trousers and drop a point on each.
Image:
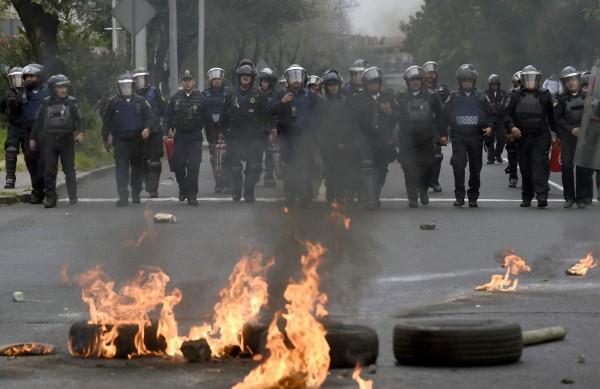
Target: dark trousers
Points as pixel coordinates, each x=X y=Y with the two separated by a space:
x=15 y=141
x=495 y=144
x=577 y=181
x=375 y=156
x=512 y=154
x=417 y=159
x=437 y=165
x=33 y=160
x=187 y=156
x=467 y=150
x=129 y=154
x=153 y=152
x=269 y=162
x=298 y=164
x=534 y=165
x=250 y=151
x=60 y=145
x=339 y=173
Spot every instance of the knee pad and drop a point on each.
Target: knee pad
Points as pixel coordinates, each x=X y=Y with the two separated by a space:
x=155 y=166
x=11 y=150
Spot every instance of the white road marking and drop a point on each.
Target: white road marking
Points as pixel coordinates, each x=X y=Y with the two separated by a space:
x=438 y=276
x=277 y=199
x=554 y=184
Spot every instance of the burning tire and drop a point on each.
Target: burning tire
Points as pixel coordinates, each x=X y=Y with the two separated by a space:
x=443 y=342
x=349 y=344
x=83 y=339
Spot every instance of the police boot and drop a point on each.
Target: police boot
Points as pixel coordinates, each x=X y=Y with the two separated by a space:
x=249 y=183
x=236 y=183
x=269 y=180
x=371 y=190
x=50 y=202
x=511 y=169
x=11 y=167
x=37 y=197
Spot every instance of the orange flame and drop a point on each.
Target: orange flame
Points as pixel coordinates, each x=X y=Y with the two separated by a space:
x=149 y=233
x=581 y=268
x=362 y=384
x=286 y=210
x=16 y=350
x=64 y=274
x=337 y=215
x=131 y=304
x=503 y=283
x=241 y=301
x=306 y=364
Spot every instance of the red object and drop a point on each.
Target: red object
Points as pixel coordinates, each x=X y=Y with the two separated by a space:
x=219 y=154
x=555 y=159
x=170 y=148
x=277 y=159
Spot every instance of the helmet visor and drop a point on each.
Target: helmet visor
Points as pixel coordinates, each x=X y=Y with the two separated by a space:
x=16 y=80
x=216 y=74
x=530 y=80
x=126 y=87
x=571 y=83
x=141 y=82
x=294 y=75
x=371 y=74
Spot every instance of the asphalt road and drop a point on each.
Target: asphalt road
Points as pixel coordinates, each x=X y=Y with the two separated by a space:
x=382 y=270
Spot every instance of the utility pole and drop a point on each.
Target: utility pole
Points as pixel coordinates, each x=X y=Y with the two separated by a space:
x=174 y=74
x=201 y=44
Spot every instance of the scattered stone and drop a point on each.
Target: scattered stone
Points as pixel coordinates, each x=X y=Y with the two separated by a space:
x=372 y=369
x=196 y=351
x=165 y=218
x=18 y=296
x=581 y=358
x=427 y=226
x=568 y=380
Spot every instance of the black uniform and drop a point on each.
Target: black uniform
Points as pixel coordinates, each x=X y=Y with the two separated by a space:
x=297 y=136
x=512 y=152
x=125 y=120
x=187 y=115
x=495 y=143
x=244 y=121
x=15 y=135
x=468 y=114
x=443 y=92
x=375 y=141
x=336 y=135
x=420 y=128
x=153 y=146
x=269 y=178
x=55 y=124
x=533 y=114
x=568 y=113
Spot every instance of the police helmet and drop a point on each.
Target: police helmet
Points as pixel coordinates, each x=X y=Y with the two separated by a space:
x=585 y=79
x=569 y=73
x=141 y=76
x=295 y=73
x=33 y=69
x=530 y=77
x=215 y=74
x=430 y=66
x=15 y=77
x=125 y=83
x=268 y=75
x=359 y=66
x=332 y=76
x=58 y=80
x=314 y=80
x=494 y=79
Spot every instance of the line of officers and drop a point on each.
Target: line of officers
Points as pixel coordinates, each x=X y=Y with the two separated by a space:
x=351 y=132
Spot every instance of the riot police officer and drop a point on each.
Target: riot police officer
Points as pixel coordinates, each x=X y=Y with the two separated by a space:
x=512 y=154
x=294 y=107
x=355 y=85
x=336 y=139
x=153 y=146
x=267 y=81
x=57 y=119
x=585 y=81
x=568 y=113
x=529 y=116
x=315 y=85
x=472 y=117
x=29 y=100
x=376 y=116
x=186 y=115
x=244 y=123
x=125 y=126
x=435 y=86
x=420 y=127
x=15 y=136
x=495 y=144
x=215 y=96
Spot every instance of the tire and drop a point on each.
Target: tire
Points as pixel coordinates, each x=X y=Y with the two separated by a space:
x=348 y=344
x=82 y=336
x=443 y=342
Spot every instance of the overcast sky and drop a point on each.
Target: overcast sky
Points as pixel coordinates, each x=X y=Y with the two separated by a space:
x=382 y=17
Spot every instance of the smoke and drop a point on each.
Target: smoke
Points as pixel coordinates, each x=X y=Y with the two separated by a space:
x=382 y=17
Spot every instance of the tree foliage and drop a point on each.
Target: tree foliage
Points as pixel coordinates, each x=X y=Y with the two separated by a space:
x=502 y=36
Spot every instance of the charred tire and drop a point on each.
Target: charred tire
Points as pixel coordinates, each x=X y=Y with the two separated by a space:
x=83 y=336
x=443 y=342
x=348 y=345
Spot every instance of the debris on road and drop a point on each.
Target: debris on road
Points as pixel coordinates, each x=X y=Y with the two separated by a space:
x=196 y=351
x=581 y=358
x=543 y=335
x=567 y=380
x=427 y=226
x=26 y=349
x=165 y=218
x=18 y=297
x=581 y=268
